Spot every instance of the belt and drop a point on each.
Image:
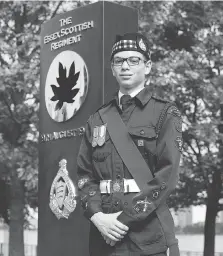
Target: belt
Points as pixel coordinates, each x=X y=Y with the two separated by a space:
x=122 y=185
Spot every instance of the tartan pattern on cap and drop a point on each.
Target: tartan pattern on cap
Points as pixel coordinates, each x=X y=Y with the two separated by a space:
x=124 y=44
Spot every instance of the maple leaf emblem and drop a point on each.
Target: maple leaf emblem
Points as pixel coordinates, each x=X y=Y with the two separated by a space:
x=65 y=91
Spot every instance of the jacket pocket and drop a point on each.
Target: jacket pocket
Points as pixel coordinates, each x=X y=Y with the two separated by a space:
x=100 y=153
x=148 y=231
x=145 y=138
x=100 y=156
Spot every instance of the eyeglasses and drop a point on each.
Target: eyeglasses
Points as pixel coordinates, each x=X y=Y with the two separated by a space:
x=132 y=61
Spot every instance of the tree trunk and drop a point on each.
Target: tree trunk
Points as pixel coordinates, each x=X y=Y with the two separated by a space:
x=16 y=236
x=209 y=228
x=214 y=193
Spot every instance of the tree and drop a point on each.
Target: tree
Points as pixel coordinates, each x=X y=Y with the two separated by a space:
x=19 y=102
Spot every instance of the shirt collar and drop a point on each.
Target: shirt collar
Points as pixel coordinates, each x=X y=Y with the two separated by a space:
x=142 y=96
x=133 y=94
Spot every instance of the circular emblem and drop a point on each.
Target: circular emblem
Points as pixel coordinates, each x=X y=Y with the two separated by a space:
x=66 y=85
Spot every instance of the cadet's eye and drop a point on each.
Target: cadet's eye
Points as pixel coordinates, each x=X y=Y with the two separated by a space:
x=134 y=60
x=117 y=61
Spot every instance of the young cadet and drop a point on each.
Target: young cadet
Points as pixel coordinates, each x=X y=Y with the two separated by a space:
x=128 y=161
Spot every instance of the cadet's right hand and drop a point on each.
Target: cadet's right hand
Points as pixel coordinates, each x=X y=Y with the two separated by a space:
x=109 y=226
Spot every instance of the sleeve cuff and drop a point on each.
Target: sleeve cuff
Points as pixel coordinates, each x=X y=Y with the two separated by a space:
x=126 y=219
x=91 y=210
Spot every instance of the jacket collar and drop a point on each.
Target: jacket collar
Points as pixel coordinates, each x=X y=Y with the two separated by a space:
x=142 y=97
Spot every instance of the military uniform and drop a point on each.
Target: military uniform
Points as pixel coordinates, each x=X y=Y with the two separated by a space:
x=155 y=127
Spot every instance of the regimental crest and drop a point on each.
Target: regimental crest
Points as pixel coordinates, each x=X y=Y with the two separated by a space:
x=66 y=85
x=62 y=193
x=99 y=135
x=142 y=45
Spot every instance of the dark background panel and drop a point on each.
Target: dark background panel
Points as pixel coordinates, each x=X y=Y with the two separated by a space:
x=124 y=20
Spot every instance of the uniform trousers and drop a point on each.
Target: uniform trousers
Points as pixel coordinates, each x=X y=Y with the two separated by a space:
x=98 y=246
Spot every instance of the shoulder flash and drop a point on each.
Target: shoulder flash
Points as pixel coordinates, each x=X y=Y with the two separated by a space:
x=173 y=110
x=160 y=99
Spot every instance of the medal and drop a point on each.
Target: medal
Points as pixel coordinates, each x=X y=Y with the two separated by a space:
x=101 y=135
x=95 y=136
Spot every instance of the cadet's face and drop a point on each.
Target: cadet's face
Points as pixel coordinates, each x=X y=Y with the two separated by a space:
x=130 y=77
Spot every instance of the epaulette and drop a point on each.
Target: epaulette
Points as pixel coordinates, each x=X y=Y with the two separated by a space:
x=160 y=99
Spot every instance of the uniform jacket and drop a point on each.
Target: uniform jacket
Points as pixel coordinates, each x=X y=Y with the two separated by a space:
x=147 y=234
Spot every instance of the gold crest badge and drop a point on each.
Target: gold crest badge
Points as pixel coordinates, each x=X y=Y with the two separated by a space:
x=62 y=193
x=99 y=134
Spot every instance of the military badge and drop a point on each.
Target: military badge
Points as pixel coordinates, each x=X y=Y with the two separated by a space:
x=81 y=182
x=140 y=143
x=156 y=194
x=99 y=135
x=174 y=111
x=62 y=193
x=142 y=205
x=117 y=186
x=142 y=45
x=178 y=125
x=179 y=143
x=92 y=192
x=95 y=136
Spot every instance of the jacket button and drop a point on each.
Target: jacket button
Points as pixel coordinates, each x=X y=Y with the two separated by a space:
x=163 y=186
x=116 y=203
x=125 y=203
x=142 y=132
x=118 y=176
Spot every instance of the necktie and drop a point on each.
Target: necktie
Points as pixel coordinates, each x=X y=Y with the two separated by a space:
x=125 y=101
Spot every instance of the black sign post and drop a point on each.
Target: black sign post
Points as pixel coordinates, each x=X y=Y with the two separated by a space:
x=75 y=80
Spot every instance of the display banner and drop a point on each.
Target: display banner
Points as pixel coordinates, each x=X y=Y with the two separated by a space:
x=76 y=79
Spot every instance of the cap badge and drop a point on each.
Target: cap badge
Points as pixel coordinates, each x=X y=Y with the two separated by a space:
x=142 y=45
